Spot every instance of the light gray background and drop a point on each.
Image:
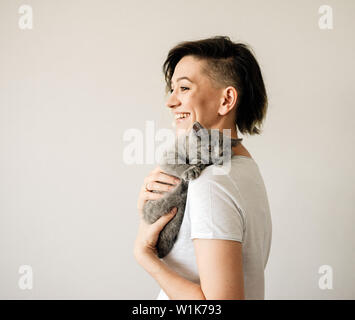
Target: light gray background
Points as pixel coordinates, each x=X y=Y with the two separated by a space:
x=89 y=70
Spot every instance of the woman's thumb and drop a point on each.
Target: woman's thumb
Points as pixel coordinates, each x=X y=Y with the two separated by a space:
x=163 y=220
x=170 y=214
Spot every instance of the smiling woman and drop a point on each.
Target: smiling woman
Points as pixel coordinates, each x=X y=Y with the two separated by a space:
x=224 y=241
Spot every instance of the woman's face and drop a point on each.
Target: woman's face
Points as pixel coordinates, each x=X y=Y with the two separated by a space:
x=193 y=94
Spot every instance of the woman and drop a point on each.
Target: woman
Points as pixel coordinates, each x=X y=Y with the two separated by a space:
x=224 y=241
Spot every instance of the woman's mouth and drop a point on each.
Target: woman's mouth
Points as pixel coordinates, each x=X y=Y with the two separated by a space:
x=180 y=117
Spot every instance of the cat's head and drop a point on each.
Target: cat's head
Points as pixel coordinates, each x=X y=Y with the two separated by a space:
x=199 y=146
x=209 y=146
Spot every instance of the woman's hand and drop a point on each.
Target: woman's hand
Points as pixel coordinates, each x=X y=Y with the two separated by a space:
x=148 y=234
x=157 y=180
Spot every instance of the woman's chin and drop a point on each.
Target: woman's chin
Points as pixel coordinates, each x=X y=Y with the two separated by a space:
x=180 y=131
x=183 y=126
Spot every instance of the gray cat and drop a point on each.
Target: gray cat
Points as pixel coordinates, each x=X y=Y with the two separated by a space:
x=188 y=156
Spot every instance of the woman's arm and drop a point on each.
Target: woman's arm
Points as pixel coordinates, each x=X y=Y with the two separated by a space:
x=220 y=270
x=175 y=286
x=220 y=267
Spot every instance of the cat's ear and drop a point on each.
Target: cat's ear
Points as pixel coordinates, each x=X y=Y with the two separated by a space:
x=197 y=126
x=197 y=130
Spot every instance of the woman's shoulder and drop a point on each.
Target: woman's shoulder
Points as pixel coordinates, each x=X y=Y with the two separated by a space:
x=241 y=173
x=227 y=171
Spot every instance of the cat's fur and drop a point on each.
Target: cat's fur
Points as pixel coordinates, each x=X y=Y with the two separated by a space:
x=209 y=150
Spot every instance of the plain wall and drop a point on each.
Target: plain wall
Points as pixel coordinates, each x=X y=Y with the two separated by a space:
x=89 y=71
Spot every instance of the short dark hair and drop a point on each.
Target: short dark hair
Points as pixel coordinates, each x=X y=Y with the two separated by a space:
x=228 y=64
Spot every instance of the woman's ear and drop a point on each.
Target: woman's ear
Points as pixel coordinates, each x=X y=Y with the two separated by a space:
x=229 y=100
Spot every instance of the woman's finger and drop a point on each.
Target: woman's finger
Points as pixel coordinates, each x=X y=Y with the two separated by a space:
x=166 y=178
x=145 y=196
x=152 y=195
x=157 y=186
x=163 y=220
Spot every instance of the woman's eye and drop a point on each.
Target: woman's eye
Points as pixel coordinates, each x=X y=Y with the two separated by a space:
x=182 y=88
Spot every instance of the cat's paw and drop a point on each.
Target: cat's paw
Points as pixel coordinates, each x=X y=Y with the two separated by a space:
x=191 y=173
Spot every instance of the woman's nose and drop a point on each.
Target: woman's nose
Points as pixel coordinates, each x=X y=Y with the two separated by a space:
x=172 y=101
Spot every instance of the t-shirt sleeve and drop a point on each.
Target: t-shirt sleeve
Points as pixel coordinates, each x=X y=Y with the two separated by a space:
x=214 y=212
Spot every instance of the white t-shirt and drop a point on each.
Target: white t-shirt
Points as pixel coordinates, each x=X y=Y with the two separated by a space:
x=231 y=206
